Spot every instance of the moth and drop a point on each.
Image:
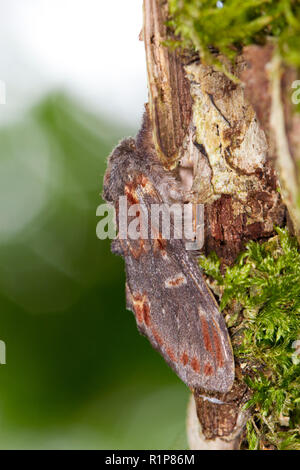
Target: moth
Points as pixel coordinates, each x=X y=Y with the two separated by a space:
x=165 y=289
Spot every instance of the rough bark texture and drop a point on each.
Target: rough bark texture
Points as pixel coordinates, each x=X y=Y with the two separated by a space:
x=169 y=96
x=220 y=136
x=223 y=413
x=243 y=202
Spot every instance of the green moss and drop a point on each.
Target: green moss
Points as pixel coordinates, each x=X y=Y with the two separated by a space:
x=261 y=296
x=201 y=24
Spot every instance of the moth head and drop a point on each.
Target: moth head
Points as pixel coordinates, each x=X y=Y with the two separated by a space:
x=121 y=165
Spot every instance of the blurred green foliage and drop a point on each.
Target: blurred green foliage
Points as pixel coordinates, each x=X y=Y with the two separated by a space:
x=78 y=374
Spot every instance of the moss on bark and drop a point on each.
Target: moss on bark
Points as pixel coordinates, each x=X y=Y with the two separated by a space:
x=260 y=295
x=229 y=25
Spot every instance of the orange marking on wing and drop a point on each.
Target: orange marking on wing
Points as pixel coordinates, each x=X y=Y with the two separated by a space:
x=218 y=349
x=208 y=369
x=206 y=335
x=131 y=194
x=195 y=365
x=141 y=309
x=146 y=313
x=157 y=337
x=138 y=313
x=184 y=358
x=142 y=180
x=160 y=245
x=176 y=281
x=170 y=353
x=136 y=252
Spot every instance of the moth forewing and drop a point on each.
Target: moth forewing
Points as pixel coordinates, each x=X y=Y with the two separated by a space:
x=165 y=289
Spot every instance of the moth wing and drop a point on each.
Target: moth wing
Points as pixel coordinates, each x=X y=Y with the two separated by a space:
x=205 y=352
x=200 y=345
x=174 y=307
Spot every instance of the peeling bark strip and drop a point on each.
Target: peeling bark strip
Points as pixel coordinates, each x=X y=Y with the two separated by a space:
x=268 y=86
x=284 y=160
x=169 y=95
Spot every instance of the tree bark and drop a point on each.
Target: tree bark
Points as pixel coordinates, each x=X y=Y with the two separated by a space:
x=228 y=137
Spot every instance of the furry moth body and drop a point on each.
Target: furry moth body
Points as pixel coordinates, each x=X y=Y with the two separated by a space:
x=165 y=289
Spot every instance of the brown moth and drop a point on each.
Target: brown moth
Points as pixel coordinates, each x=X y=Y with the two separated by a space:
x=165 y=289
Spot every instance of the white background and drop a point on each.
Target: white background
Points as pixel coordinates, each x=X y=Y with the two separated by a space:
x=89 y=47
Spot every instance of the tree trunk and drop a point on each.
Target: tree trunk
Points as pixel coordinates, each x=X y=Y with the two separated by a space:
x=227 y=135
